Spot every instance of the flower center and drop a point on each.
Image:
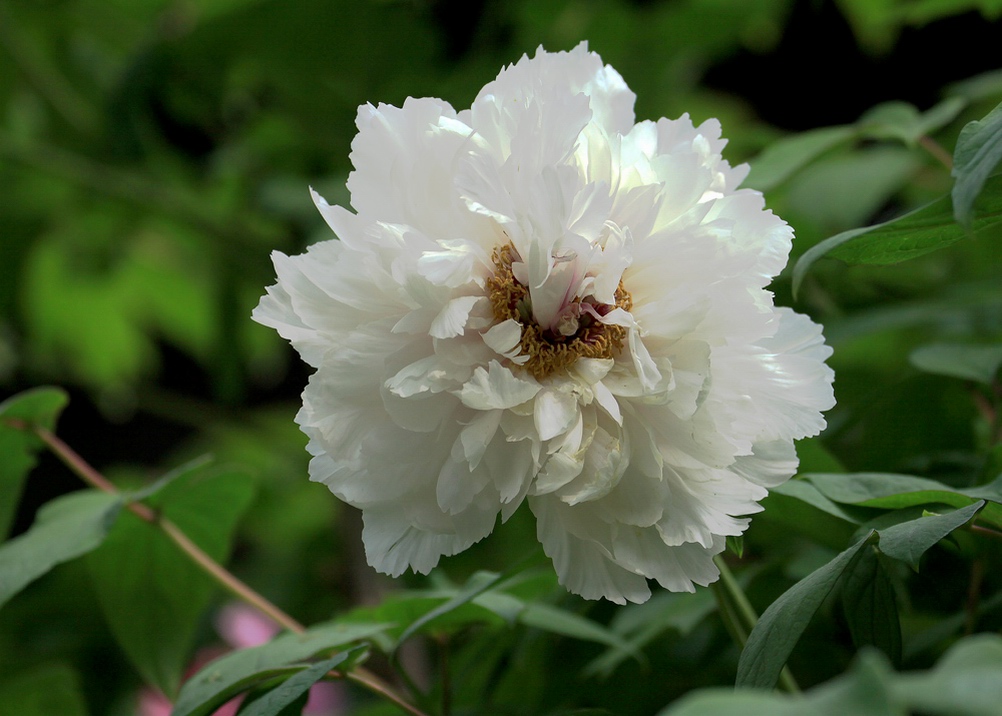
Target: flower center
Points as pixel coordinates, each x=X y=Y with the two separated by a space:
x=578 y=332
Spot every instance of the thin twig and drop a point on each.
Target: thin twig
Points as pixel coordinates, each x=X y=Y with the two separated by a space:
x=443 y=650
x=215 y=570
x=740 y=617
x=986 y=531
x=974 y=595
x=937 y=151
x=373 y=683
x=240 y=589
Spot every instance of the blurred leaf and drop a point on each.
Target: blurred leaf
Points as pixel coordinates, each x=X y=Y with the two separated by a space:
x=908 y=541
x=161 y=482
x=780 y=626
x=477 y=584
x=152 y=594
x=66 y=528
x=51 y=690
x=641 y=624
x=845 y=190
x=782 y=159
x=559 y=621
x=222 y=679
x=957 y=360
x=295 y=687
x=916 y=233
x=40 y=406
x=891 y=120
x=902 y=121
x=964 y=682
x=728 y=702
x=946 y=629
x=981 y=86
x=398 y=611
x=870 y=605
x=978 y=152
x=863 y=691
x=798 y=505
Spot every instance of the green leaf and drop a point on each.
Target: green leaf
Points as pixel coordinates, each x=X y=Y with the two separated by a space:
x=979 y=87
x=152 y=594
x=398 y=611
x=641 y=624
x=806 y=492
x=870 y=605
x=39 y=406
x=892 y=120
x=164 y=480
x=908 y=541
x=43 y=691
x=479 y=583
x=918 y=232
x=964 y=682
x=66 y=528
x=798 y=505
x=957 y=360
x=224 y=678
x=880 y=489
x=892 y=491
x=728 y=702
x=978 y=152
x=782 y=159
x=294 y=708
x=863 y=691
x=843 y=191
x=781 y=625
x=294 y=687
x=558 y=621
x=902 y=121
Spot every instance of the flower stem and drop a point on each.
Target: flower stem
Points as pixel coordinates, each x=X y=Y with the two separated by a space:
x=987 y=531
x=740 y=617
x=224 y=577
x=937 y=151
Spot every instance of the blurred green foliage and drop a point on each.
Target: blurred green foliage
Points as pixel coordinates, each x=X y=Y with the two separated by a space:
x=154 y=152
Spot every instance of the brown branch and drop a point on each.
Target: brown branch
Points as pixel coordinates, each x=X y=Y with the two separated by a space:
x=238 y=588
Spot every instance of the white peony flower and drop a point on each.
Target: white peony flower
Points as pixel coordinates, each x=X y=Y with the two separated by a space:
x=539 y=300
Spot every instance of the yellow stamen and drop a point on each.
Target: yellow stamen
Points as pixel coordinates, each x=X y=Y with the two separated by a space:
x=549 y=352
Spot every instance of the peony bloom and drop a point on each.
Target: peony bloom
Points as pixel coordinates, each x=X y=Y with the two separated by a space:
x=538 y=300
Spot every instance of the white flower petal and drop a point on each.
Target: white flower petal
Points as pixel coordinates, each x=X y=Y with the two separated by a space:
x=476 y=436
x=554 y=412
x=496 y=388
x=504 y=339
x=451 y=320
x=583 y=565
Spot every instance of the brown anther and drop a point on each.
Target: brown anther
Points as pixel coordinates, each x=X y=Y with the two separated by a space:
x=550 y=352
